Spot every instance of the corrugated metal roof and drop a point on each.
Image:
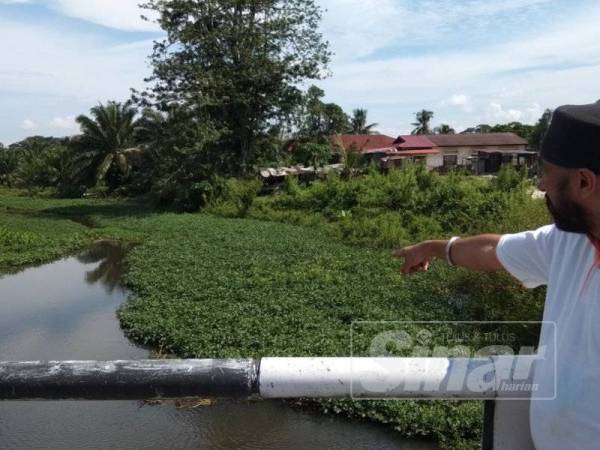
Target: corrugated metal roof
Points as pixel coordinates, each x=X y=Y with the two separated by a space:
x=475 y=139
x=406 y=153
x=413 y=142
x=362 y=142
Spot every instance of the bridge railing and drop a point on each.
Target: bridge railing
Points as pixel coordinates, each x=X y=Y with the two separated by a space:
x=506 y=422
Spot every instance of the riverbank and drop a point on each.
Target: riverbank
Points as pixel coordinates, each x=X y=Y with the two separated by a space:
x=208 y=286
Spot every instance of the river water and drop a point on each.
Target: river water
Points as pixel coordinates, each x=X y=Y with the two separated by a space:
x=66 y=311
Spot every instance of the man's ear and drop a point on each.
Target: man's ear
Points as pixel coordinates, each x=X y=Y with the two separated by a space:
x=587 y=183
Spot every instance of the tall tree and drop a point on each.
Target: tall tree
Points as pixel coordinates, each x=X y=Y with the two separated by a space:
x=318 y=119
x=236 y=66
x=443 y=129
x=358 y=122
x=106 y=135
x=422 y=123
x=539 y=130
x=8 y=164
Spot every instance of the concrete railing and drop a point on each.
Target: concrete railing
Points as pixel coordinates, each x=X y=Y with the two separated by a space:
x=506 y=422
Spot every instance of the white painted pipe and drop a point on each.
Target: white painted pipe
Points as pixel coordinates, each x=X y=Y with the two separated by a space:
x=377 y=378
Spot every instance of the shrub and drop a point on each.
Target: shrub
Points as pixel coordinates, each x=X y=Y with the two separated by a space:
x=241 y=193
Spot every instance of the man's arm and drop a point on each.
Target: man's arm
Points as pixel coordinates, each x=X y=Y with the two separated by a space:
x=476 y=253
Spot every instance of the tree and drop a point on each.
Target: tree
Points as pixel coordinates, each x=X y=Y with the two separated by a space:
x=106 y=135
x=315 y=154
x=358 y=122
x=518 y=128
x=318 y=120
x=422 y=123
x=539 y=130
x=8 y=164
x=352 y=158
x=235 y=65
x=482 y=128
x=42 y=162
x=443 y=129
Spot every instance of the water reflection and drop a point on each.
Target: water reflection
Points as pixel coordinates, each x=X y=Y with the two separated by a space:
x=66 y=310
x=111 y=256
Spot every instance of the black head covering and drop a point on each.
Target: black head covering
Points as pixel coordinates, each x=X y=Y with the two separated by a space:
x=573 y=138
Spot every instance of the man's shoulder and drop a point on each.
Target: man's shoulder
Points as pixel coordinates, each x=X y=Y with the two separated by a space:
x=542 y=232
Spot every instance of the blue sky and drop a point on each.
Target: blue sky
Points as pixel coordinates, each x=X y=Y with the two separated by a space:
x=469 y=61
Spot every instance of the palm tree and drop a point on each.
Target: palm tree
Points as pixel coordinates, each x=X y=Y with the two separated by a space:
x=422 y=123
x=105 y=136
x=358 y=123
x=444 y=129
x=352 y=159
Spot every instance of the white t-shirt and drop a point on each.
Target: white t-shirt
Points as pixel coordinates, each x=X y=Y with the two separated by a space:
x=562 y=261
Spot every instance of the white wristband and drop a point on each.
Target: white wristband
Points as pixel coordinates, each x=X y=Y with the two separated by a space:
x=449 y=248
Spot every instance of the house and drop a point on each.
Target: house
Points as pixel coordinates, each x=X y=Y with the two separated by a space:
x=481 y=152
x=478 y=152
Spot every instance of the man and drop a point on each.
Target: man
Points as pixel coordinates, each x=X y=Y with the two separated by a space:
x=564 y=256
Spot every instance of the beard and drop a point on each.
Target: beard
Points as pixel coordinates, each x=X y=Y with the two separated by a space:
x=569 y=216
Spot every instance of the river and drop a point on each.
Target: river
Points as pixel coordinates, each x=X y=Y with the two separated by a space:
x=66 y=311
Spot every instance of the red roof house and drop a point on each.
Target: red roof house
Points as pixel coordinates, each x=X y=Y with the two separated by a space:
x=362 y=142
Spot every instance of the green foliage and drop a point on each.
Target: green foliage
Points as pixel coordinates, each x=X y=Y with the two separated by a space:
x=235 y=66
x=532 y=133
x=242 y=194
x=315 y=154
x=8 y=164
x=412 y=203
x=210 y=287
x=16 y=240
x=443 y=129
x=317 y=119
x=423 y=118
x=358 y=123
x=509 y=179
x=101 y=148
x=539 y=130
x=42 y=163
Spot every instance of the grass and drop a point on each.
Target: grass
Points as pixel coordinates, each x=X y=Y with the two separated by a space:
x=290 y=280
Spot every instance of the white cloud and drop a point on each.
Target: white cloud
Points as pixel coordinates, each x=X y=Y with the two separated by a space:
x=64 y=123
x=460 y=101
x=120 y=14
x=356 y=28
x=39 y=60
x=50 y=71
x=534 y=68
x=28 y=124
x=499 y=114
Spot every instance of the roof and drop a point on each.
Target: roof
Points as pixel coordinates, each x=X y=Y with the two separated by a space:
x=413 y=142
x=408 y=153
x=362 y=142
x=379 y=150
x=429 y=151
x=475 y=139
